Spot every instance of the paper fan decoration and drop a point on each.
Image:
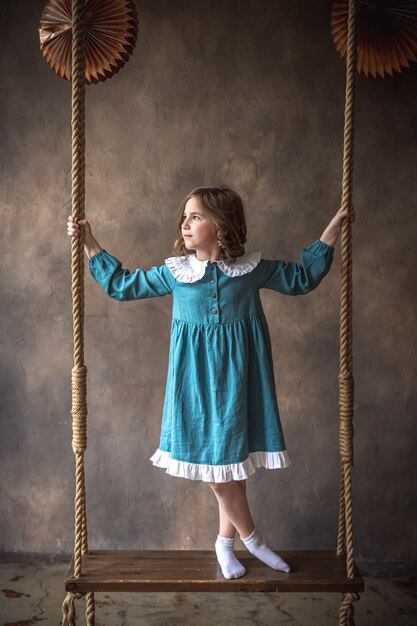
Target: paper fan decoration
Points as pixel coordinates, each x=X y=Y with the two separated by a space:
x=111 y=34
x=386 y=34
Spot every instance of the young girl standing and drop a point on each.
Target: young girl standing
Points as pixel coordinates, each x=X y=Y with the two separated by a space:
x=220 y=417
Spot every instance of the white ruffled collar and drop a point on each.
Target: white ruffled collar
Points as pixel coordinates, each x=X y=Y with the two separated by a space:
x=189 y=269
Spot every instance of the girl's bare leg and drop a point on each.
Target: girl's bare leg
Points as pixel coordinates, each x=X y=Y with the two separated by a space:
x=233 y=508
x=226 y=528
x=231 y=567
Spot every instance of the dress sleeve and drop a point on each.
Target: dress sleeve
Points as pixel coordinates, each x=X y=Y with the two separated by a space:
x=295 y=279
x=121 y=284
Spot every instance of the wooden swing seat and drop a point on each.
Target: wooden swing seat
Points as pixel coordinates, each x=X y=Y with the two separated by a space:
x=198 y=570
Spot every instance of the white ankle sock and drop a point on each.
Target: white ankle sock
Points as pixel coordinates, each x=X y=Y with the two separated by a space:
x=257 y=545
x=231 y=567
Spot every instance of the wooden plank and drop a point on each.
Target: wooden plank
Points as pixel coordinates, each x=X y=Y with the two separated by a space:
x=198 y=570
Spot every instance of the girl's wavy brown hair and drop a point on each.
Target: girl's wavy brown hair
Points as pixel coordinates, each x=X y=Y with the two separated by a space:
x=225 y=207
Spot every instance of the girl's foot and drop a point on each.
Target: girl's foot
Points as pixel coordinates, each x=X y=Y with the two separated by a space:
x=256 y=544
x=231 y=567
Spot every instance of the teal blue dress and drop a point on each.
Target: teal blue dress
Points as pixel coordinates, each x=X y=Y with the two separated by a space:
x=220 y=419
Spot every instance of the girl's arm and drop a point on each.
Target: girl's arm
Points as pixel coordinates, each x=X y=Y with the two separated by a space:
x=118 y=282
x=295 y=279
x=91 y=246
x=121 y=284
x=332 y=231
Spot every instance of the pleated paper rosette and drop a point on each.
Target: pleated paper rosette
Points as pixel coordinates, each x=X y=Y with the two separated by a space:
x=386 y=34
x=111 y=34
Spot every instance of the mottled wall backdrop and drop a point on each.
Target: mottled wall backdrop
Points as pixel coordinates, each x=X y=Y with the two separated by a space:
x=250 y=94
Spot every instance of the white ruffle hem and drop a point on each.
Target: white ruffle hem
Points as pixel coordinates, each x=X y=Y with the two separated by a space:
x=220 y=473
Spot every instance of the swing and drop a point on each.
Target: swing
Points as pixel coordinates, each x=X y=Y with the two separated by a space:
x=93 y=571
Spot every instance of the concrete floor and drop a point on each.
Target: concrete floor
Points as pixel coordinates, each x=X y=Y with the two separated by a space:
x=32 y=591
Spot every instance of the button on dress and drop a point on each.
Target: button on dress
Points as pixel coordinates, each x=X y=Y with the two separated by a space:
x=220 y=419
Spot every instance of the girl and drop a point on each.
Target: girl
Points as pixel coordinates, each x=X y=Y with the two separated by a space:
x=220 y=417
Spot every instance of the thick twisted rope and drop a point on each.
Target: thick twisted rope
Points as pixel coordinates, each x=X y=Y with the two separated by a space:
x=346 y=382
x=346 y=610
x=79 y=371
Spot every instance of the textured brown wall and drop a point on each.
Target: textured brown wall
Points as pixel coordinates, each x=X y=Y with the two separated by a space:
x=251 y=94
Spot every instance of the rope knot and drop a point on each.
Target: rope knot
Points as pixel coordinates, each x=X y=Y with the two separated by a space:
x=79 y=408
x=346 y=387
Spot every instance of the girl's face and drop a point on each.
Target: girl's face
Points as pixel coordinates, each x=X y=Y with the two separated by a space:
x=197 y=228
